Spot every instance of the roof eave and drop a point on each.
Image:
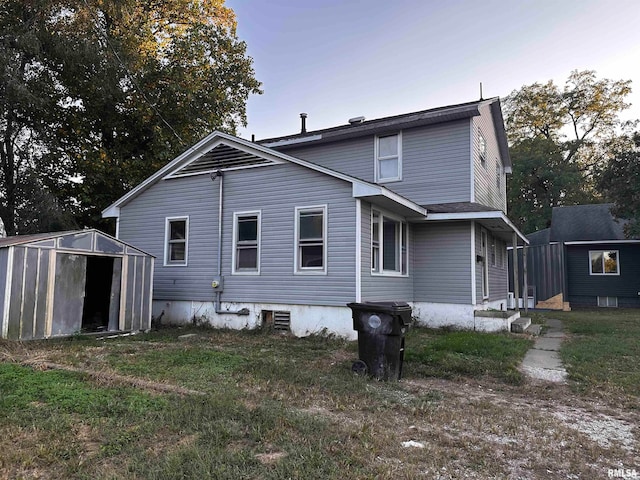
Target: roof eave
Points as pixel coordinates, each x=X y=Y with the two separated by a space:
x=491 y=215
x=378 y=126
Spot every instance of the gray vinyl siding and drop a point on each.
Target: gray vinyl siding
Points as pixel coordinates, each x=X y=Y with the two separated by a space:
x=435 y=164
x=275 y=191
x=383 y=287
x=442 y=263
x=435 y=161
x=498 y=274
x=353 y=157
x=585 y=288
x=486 y=189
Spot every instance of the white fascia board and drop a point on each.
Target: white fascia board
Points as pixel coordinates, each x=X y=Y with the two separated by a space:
x=491 y=215
x=363 y=189
x=111 y=212
x=293 y=141
x=595 y=242
x=160 y=173
x=206 y=144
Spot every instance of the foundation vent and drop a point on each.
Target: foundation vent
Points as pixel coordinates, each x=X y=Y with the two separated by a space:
x=279 y=321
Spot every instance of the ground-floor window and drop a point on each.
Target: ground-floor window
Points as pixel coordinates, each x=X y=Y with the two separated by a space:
x=604 y=262
x=176 y=240
x=246 y=239
x=389 y=238
x=311 y=238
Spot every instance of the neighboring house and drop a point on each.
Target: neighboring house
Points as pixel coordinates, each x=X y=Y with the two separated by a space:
x=289 y=230
x=584 y=260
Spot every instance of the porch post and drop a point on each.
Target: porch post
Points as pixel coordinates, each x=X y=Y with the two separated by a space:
x=516 y=285
x=525 y=282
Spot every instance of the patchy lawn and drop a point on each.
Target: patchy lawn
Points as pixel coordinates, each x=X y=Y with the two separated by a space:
x=250 y=405
x=602 y=354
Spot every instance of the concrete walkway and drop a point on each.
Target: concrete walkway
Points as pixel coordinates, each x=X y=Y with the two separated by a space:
x=542 y=362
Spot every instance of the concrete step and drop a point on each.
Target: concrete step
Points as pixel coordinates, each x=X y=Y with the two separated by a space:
x=534 y=329
x=520 y=325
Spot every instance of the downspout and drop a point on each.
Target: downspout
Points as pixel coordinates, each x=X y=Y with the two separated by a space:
x=218 y=301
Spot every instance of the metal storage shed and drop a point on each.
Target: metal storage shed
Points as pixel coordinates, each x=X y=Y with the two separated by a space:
x=64 y=283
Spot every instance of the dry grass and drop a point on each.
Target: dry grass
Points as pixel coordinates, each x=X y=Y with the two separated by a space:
x=277 y=407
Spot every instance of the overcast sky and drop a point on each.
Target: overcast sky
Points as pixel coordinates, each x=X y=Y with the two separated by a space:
x=338 y=59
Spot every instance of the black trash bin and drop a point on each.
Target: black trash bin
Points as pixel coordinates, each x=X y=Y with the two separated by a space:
x=381 y=327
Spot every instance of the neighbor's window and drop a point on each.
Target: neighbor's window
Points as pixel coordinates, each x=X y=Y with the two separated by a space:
x=608 y=302
x=311 y=233
x=482 y=149
x=246 y=240
x=388 y=158
x=604 y=262
x=176 y=241
x=388 y=244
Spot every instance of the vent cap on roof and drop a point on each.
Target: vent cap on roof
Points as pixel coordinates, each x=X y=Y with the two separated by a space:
x=356 y=120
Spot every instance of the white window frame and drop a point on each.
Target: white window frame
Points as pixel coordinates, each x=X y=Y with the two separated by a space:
x=376 y=166
x=380 y=271
x=591 y=272
x=297 y=268
x=234 y=255
x=493 y=251
x=482 y=149
x=167 y=250
x=484 y=249
x=607 y=301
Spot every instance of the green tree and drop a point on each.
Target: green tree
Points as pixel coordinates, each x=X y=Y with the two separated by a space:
x=619 y=179
x=575 y=126
x=541 y=180
x=105 y=92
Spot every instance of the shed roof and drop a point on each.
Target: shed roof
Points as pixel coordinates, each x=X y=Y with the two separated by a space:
x=40 y=237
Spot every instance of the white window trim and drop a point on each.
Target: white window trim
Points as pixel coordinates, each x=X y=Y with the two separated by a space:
x=493 y=251
x=167 y=221
x=236 y=215
x=485 y=264
x=482 y=140
x=382 y=272
x=603 y=274
x=297 y=270
x=377 y=159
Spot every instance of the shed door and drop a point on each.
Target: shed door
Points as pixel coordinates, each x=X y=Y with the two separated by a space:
x=68 y=296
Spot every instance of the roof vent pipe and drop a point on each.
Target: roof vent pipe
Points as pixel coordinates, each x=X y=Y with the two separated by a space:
x=303 y=119
x=356 y=120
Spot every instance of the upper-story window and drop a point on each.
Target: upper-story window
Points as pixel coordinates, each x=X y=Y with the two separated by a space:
x=388 y=153
x=498 y=175
x=482 y=149
x=176 y=240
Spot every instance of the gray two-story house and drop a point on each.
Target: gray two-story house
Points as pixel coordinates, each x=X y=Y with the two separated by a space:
x=290 y=230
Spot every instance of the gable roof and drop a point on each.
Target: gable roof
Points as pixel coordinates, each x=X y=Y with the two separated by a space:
x=585 y=223
x=396 y=122
x=225 y=152
x=581 y=223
